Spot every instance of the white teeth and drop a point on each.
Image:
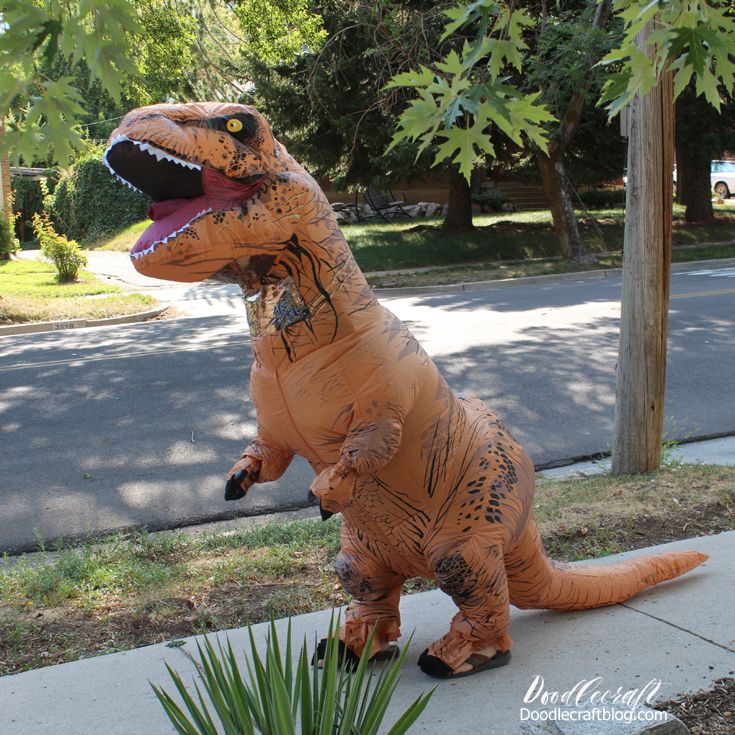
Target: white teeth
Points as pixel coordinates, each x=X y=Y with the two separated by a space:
x=163 y=156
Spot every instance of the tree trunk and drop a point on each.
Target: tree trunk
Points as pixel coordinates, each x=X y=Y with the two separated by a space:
x=639 y=407
x=699 y=192
x=5 y=205
x=562 y=210
x=693 y=183
x=459 y=210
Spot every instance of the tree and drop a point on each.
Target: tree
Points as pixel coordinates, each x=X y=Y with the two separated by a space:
x=692 y=40
x=53 y=53
x=701 y=136
x=568 y=44
x=44 y=109
x=462 y=96
x=330 y=105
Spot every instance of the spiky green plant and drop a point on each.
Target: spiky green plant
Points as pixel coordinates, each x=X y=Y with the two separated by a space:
x=277 y=698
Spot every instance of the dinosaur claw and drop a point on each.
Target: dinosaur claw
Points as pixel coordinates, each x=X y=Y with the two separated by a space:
x=233 y=488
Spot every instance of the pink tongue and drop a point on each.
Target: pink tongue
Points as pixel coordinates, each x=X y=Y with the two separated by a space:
x=168 y=217
x=220 y=192
x=159 y=210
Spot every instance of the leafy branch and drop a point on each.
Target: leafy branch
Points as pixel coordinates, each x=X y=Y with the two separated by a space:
x=43 y=109
x=463 y=96
x=692 y=38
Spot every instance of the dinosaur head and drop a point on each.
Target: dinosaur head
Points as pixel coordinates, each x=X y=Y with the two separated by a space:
x=205 y=166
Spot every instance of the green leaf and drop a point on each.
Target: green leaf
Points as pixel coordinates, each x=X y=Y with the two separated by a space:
x=452 y=64
x=707 y=85
x=421 y=78
x=682 y=74
x=462 y=145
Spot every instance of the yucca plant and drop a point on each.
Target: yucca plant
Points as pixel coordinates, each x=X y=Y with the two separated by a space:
x=276 y=698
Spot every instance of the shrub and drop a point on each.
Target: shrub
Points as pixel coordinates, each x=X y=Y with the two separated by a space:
x=62 y=252
x=89 y=203
x=276 y=698
x=490 y=200
x=8 y=242
x=603 y=198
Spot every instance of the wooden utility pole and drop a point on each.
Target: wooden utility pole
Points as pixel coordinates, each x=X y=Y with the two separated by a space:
x=639 y=406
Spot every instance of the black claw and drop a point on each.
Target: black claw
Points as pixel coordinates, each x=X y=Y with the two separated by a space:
x=325 y=514
x=233 y=490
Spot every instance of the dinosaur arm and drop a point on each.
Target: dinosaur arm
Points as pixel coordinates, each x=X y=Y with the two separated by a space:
x=262 y=461
x=272 y=460
x=368 y=446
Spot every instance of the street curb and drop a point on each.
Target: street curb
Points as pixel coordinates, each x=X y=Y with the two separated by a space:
x=526 y=280
x=63 y=325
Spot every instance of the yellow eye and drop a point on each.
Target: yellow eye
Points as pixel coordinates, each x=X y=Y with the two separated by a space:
x=234 y=125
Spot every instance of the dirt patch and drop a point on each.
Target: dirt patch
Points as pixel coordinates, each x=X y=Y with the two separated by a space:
x=168 y=313
x=612 y=536
x=56 y=635
x=709 y=712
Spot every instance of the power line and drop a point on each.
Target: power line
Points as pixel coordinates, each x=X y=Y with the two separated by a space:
x=99 y=122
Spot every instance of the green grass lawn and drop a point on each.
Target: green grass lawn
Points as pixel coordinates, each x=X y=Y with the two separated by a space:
x=515 y=236
x=122 y=240
x=30 y=293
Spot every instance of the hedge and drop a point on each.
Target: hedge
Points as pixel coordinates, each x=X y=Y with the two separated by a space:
x=89 y=203
x=27 y=201
x=603 y=198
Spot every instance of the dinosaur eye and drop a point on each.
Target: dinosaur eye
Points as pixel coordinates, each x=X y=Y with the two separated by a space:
x=234 y=125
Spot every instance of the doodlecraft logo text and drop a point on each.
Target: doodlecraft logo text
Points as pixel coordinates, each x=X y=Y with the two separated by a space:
x=590 y=700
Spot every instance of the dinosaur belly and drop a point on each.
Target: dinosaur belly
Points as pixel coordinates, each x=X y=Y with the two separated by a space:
x=306 y=406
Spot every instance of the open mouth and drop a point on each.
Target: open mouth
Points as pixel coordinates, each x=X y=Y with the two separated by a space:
x=182 y=191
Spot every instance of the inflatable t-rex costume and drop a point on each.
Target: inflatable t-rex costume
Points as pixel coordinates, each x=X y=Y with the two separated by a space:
x=430 y=484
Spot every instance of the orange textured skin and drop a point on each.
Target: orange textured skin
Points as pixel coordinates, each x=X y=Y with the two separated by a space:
x=429 y=483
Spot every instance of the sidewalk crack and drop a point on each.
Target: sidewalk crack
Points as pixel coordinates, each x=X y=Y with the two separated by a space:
x=678 y=627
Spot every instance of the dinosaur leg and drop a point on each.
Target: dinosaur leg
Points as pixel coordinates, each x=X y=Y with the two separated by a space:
x=473 y=575
x=376 y=591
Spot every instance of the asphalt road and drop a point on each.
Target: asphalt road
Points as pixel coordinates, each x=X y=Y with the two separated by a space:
x=137 y=425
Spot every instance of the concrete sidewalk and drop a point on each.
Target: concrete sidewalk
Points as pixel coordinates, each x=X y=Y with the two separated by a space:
x=681 y=632
x=720 y=450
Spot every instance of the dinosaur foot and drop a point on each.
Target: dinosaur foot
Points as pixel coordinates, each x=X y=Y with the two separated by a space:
x=347 y=658
x=490 y=658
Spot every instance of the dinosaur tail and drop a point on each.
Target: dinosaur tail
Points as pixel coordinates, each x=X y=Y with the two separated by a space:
x=534 y=581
